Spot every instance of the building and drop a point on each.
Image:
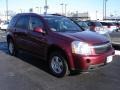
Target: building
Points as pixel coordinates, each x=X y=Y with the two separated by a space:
x=79 y=16
x=113 y=18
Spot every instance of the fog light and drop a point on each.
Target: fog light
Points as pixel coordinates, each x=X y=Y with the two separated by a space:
x=88 y=61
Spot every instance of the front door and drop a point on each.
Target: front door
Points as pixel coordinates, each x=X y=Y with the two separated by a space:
x=37 y=40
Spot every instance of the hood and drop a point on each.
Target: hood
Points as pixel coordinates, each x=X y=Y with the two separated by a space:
x=87 y=36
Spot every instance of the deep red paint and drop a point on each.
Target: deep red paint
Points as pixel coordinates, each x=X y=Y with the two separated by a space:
x=39 y=44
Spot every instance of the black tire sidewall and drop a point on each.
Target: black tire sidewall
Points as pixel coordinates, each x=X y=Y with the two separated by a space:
x=14 y=50
x=65 y=66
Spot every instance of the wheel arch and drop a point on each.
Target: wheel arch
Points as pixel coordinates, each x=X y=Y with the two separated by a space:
x=9 y=37
x=55 y=48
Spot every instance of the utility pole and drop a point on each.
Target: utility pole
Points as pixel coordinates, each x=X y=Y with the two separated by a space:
x=103 y=9
x=45 y=7
x=96 y=15
x=7 y=10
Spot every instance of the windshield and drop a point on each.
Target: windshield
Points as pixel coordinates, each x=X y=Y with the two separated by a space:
x=62 y=24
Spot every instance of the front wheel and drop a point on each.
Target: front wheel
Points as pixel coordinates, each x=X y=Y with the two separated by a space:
x=58 y=65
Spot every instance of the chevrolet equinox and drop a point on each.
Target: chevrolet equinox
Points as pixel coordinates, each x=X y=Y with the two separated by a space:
x=59 y=41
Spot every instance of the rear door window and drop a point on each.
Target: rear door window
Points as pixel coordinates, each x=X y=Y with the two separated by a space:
x=23 y=22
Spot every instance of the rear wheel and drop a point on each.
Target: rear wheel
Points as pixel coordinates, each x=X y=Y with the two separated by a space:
x=11 y=47
x=58 y=65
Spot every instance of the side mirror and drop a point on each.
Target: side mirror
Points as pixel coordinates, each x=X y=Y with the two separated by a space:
x=39 y=30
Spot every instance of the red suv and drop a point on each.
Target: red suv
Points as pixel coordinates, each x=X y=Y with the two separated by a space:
x=58 y=40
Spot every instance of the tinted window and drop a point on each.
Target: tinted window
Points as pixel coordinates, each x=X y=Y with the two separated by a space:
x=94 y=23
x=23 y=22
x=116 y=23
x=112 y=24
x=62 y=24
x=107 y=23
x=82 y=24
x=98 y=24
x=90 y=23
x=35 y=22
x=104 y=24
x=13 y=21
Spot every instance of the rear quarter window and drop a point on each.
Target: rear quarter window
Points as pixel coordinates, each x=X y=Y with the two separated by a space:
x=12 y=22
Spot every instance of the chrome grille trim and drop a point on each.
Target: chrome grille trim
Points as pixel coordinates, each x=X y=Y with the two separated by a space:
x=102 y=48
x=103 y=45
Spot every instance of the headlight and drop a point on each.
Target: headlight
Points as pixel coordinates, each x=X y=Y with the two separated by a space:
x=81 y=48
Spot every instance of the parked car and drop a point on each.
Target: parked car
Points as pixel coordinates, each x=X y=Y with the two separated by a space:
x=59 y=41
x=117 y=26
x=96 y=26
x=109 y=26
x=83 y=25
x=4 y=25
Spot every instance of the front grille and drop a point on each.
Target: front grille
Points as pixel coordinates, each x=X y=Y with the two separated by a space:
x=102 y=48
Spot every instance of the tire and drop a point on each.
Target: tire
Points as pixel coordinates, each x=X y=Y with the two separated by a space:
x=58 y=65
x=11 y=48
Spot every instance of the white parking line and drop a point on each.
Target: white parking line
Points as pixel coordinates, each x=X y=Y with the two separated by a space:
x=117 y=52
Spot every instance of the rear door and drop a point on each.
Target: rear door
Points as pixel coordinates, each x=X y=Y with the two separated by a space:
x=21 y=31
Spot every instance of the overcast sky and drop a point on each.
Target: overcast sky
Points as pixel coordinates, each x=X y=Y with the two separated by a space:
x=91 y=6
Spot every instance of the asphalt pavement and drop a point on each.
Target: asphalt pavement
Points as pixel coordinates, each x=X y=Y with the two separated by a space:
x=25 y=72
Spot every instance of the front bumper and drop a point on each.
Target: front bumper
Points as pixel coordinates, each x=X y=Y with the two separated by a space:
x=86 y=63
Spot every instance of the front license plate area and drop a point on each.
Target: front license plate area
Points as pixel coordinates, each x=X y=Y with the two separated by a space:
x=109 y=59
